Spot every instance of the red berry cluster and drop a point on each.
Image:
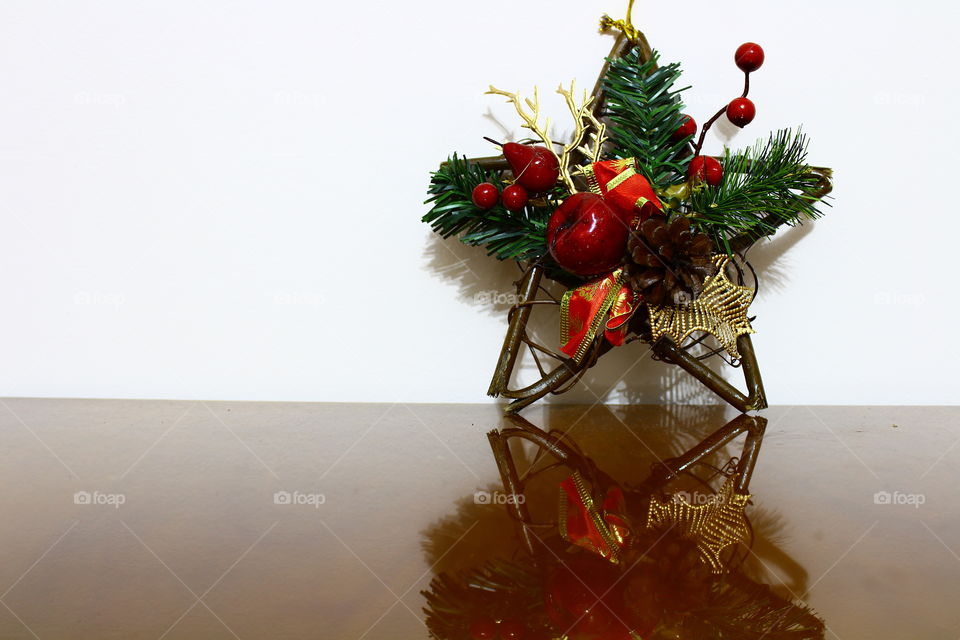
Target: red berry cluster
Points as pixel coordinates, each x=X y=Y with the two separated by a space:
x=740 y=111
x=486 y=195
x=535 y=170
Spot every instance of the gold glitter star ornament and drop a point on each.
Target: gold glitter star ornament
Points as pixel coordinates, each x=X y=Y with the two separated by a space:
x=714 y=526
x=720 y=310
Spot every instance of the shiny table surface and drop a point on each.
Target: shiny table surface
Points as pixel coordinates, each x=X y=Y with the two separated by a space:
x=178 y=519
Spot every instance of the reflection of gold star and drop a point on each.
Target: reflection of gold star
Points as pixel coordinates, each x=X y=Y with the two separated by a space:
x=621 y=165
x=713 y=526
x=720 y=310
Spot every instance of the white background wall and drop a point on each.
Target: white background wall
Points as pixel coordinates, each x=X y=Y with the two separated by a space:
x=221 y=200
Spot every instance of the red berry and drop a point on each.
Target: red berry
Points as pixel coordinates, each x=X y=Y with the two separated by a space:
x=749 y=56
x=512 y=629
x=515 y=197
x=483 y=628
x=741 y=111
x=485 y=195
x=707 y=169
x=687 y=129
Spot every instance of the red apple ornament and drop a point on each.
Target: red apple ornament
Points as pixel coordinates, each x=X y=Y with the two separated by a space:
x=535 y=168
x=586 y=236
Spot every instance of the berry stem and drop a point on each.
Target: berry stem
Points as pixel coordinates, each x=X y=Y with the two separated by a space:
x=709 y=123
x=500 y=144
x=703 y=131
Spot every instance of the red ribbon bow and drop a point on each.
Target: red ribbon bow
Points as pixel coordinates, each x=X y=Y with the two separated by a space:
x=608 y=302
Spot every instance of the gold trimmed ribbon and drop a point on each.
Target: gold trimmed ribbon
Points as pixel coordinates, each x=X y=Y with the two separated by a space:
x=601 y=529
x=623 y=187
x=607 y=304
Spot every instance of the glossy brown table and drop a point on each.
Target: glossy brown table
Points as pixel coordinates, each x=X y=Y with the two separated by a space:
x=162 y=519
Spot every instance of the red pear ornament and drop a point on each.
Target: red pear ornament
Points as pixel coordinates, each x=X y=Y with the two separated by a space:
x=535 y=168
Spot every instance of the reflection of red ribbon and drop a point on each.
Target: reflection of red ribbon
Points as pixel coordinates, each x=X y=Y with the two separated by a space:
x=601 y=529
x=608 y=302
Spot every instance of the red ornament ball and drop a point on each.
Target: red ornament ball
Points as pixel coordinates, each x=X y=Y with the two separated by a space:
x=483 y=628
x=512 y=629
x=586 y=236
x=741 y=111
x=749 y=56
x=687 y=129
x=515 y=197
x=485 y=195
x=706 y=169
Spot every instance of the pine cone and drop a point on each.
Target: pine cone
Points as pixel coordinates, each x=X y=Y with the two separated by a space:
x=671 y=260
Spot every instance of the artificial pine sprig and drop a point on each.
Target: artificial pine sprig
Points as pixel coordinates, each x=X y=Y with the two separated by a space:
x=505 y=234
x=498 y=589
x=762 y=187
x=645 y=112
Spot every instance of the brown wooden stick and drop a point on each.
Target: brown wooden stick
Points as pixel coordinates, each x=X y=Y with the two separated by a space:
x=753 y=400
x=511 y=484
x=527 y=289
x=667 y=470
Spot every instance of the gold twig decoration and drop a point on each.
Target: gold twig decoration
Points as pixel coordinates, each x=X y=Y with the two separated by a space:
x=586 y=126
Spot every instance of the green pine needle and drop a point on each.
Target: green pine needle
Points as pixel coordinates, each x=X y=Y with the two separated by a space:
x=762 y=187
x=507 y=235
x=644 y=112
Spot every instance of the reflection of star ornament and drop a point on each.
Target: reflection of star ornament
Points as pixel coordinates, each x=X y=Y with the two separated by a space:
x=720 y=310
x=713 y=526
